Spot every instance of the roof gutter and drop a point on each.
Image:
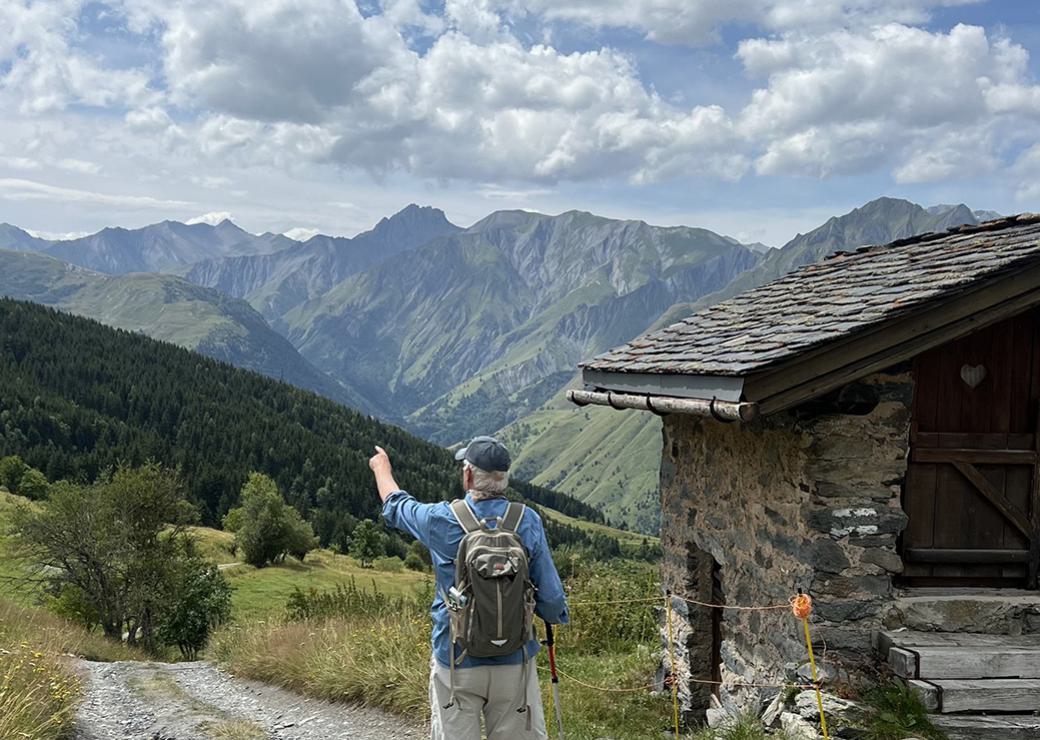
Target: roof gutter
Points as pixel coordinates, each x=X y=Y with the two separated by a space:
x=727 y=411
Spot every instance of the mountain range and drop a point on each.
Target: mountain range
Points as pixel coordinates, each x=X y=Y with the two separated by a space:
x=445 y=330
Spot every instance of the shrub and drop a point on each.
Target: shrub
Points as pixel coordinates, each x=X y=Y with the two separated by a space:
x=201 y=601
x=129 y=540
x=414 y=562
x=392 y=564
x=366 y=543
x=33 y=484
x=12 y=468
x=266 y=528
x=348 y=600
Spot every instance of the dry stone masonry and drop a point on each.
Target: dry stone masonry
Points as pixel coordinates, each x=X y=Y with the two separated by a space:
x=808 y=498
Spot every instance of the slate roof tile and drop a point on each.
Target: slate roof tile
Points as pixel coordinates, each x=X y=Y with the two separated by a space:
x=846 y=293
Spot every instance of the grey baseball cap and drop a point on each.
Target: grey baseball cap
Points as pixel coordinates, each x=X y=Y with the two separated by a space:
x=486 y=453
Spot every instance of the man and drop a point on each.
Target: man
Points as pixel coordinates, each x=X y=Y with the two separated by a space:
x=493 y=687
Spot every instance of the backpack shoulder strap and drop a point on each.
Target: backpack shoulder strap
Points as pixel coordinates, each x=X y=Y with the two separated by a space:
x=464 y=515
x=513 y=516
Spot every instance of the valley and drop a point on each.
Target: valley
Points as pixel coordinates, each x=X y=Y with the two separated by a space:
x=447 y=331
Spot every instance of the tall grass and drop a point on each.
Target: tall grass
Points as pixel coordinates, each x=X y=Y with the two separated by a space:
x=38 y=690
x=357 y=644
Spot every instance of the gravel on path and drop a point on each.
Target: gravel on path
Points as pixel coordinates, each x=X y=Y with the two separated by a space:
x=197 y=701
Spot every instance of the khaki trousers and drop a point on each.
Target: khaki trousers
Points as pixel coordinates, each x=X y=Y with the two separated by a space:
x=495 y=692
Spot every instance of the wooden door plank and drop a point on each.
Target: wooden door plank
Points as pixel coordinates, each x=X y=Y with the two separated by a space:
x=1016 y=517
x=974 y=456
x=985 y=525
x=1033 y=575
x=966 y=555
x=952 y=493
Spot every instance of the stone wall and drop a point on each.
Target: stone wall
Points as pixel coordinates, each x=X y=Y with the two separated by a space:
x=808 y=498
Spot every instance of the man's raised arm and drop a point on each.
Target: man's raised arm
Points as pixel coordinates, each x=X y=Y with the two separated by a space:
x=380 y=464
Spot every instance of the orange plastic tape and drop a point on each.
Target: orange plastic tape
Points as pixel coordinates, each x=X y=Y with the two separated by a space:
x=801 y=605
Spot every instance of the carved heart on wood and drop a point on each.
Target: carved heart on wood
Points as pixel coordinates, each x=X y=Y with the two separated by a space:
x=973 y=375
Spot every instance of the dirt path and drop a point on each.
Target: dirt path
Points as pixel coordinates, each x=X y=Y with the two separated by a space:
x=196 y=701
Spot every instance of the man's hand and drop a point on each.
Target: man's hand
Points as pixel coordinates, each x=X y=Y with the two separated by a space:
x=379 y=461
x=380 y=464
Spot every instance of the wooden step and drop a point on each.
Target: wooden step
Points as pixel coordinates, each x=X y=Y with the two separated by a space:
x=979 y=695
x=941 y=655
x=1001 y=727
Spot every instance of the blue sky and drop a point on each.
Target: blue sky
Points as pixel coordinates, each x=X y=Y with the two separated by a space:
x=756 y=118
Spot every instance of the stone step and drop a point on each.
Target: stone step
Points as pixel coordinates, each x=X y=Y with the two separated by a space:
x=1001 y=727
x=953 y=695
x=992 y=611
x=935 y=655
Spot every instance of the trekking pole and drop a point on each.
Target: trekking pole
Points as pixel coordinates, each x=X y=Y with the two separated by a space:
x=550 y=643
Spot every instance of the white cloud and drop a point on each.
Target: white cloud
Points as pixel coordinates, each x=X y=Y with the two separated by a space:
x=839 y=87
x=1027 y=169
x=212 y=218
x=699 y=21
x=18 y=189
x=477 y=19
x=301 y=233
x=491 y=191
x=19 y=163
x=57 y=235
x=847 y=102
x=70 y=164
x=211 y=182
x=45 y=72
x=273 y=61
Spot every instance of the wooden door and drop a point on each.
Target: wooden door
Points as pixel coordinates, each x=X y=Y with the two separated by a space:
x=971 y=488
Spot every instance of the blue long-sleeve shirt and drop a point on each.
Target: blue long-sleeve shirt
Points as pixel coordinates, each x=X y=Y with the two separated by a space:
x=435 y=526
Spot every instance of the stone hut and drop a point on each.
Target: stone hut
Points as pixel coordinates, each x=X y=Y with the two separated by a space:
x=865 y=429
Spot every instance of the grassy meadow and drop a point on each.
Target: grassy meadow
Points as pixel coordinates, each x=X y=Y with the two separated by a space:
x=372 y=647
x=262 y=593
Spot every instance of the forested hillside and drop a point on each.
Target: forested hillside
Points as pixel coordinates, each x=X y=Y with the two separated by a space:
x=170 y=309
x=77 y=397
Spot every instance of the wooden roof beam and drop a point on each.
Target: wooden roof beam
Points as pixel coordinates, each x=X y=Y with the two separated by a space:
x=727 y=411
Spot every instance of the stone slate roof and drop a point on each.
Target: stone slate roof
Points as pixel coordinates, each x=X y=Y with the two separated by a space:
x=844 y=294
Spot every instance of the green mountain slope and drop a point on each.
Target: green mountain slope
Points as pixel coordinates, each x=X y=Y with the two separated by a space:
x=610 y=458
x=470 y=331
x=607 y=458
x=169 y=309
x=79 y=397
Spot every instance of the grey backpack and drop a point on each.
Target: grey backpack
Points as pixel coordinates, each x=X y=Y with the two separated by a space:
x=491 y=605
